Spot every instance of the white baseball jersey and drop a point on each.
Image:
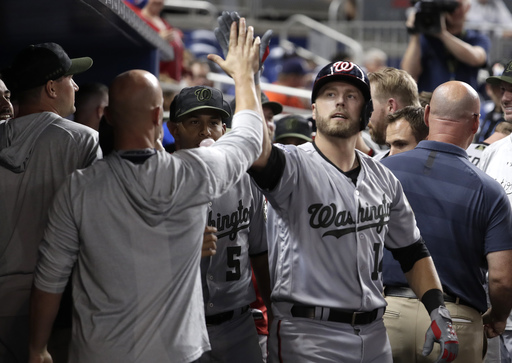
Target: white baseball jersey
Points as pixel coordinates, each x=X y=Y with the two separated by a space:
x=497 y=162
x=475 y=151
x=326 y=235
x=239 y=218
x=132 y=233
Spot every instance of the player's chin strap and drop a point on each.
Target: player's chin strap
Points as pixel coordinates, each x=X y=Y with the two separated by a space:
x=441 y=328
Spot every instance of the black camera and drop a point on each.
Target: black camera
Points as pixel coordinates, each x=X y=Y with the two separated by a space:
x=428 y=15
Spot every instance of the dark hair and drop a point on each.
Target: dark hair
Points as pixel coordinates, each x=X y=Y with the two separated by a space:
x=415 y=116
x=87 y=91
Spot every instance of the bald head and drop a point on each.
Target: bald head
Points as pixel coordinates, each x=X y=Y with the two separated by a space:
x=135 y=105
x=453 y=113
x=455 y=100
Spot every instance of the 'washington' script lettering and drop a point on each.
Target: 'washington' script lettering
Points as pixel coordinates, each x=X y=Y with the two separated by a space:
x=374 y=212
x=325 y=216
x=230 y=221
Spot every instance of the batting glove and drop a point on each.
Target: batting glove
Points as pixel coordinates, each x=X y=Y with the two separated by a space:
x=441 y=331
x=223 y=30
x=222 y=34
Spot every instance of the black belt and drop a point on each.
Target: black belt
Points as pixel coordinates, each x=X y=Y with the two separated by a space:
x=336 y=315
x=402 y=291
x=225 y=316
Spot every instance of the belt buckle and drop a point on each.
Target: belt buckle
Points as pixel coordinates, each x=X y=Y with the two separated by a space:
x=354 y=316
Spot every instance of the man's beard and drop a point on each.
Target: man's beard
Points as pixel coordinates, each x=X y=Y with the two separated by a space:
x=343 y=130
x=377 y=137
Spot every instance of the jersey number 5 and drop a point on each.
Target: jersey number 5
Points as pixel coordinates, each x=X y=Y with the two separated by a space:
x=233 y=263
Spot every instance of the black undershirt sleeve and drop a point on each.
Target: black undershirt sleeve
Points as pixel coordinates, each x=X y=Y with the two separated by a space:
x=407 y=256
x=269 y=177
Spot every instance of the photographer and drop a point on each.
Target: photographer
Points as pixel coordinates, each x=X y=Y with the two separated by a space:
x=436 y=54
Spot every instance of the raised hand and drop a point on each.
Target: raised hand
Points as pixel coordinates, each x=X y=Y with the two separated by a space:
x=222 y=33
x=243 y=51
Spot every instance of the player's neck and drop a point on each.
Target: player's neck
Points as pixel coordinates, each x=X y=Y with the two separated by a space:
x=340 y=151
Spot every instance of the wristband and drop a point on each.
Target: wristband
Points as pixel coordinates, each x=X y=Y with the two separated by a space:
x=432 y=299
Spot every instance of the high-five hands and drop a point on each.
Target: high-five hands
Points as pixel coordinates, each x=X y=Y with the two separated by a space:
x=222 y=32
x=243 y=51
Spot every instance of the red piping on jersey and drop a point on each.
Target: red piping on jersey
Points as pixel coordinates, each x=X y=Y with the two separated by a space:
x=279 y=342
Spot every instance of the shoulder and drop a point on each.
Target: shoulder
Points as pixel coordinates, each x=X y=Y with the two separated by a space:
x=87 y=176
x=292 y=151
x=73 y=129
x=379 y=168
x=393 y=161
x=503 y=144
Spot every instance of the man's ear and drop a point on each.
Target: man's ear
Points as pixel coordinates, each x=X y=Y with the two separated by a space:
x=173 y=128
x=427 y=115
x=100 y=111
x=392 y=105
x=50 y=89
x=313 y=113
x=155 y=115
x=476 y=125
x=107 y=115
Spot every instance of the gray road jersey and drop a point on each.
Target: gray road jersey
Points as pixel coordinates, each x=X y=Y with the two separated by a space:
x=326 y=235
x=239 y=218
x=37 y=153
x=133 y=234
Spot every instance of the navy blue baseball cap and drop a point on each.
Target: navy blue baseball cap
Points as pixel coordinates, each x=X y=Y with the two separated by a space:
x=37 y=64
x=342 y=71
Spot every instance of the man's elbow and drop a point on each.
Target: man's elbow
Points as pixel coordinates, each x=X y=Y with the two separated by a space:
x=262 y=160
x=479 y=58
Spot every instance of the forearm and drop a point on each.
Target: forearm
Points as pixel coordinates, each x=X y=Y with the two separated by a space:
x=266 y=144
x=500 y=284
x=423 y=277
x=411 y=61
x=245 y=93
x=474 y=56
x=44 y=307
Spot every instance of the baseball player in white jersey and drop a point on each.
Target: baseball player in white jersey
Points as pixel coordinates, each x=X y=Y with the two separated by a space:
x=197 y=114
x=126 y=225
x=332 y=210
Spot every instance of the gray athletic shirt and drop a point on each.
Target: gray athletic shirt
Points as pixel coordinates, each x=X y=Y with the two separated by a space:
x=37 y=153
x=134 y=234
x=326 y=235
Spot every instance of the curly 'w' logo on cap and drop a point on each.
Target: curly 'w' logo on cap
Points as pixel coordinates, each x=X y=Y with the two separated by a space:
x=203 y=94
x=342 y=67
